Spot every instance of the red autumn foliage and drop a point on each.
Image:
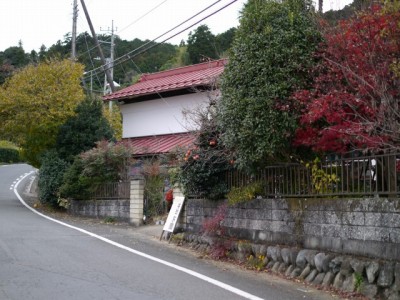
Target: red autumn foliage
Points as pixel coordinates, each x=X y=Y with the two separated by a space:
x=354 y=102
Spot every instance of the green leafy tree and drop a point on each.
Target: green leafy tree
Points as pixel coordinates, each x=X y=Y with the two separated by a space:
x=224 y=41
x=16 y=56
x=201 y=45
x=51 y=177
x=35 y=101
x=270 y=58
x=81 y=131
x=179 y=60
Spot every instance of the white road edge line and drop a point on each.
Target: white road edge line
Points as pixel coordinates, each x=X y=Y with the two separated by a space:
x=155 y=259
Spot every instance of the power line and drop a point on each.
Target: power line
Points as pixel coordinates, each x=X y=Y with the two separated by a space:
x=142 y=16
x=134 y=22
x=128 y=55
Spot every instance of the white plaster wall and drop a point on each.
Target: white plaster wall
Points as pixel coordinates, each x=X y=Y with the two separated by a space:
x=160 y=116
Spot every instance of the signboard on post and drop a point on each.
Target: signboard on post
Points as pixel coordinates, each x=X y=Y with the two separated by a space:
x=174 y=214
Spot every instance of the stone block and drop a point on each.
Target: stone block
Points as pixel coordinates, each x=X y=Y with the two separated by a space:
x=338 y=281
x=312 y=229
x=319 y=279
x=394 y=295
x=372 y=270
x=354 y=205
x=311 y=276
x=349 y=284
x=321 y=261
x=357 y=265
x=256 y=225
x=250 y=214
x=263 y=214
x=301 y=261
x=285 y=253
x=386 y=274
x=271 y=264
x=396 y=285
x=331 y=205
x=281 y=215
x=331 y=217
x=276 y=267
x=136 y=193
x=295 y=273
x=263 y=235
x=335 y=264
x=289 y=270
x=331 y=230
x=274 y=253
x=328 y=279
x=395 y=220
x=278 y=203
x=394 y=235
x=353 y=218
x=282 y=267
x=369 y=290
x=306 y=271
x=312 y=242
x=345 y=268
x=313 y=217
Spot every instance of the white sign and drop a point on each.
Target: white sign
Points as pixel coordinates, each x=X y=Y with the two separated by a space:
x=174 y=214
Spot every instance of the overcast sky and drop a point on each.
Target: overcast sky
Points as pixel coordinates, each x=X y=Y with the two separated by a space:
x=38 y=22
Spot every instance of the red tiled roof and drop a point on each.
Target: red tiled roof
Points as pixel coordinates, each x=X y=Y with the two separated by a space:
x=161 y=143
x=175 y=79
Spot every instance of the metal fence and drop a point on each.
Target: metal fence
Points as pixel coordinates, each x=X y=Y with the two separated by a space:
x=356 y=176
x=112 y=191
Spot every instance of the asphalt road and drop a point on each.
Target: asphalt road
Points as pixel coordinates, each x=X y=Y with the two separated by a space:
x=42 y=259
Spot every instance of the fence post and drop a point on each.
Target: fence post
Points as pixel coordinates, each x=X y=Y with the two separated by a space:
x=136 y=202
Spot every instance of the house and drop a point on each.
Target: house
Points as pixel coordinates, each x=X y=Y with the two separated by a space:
x=152 y=108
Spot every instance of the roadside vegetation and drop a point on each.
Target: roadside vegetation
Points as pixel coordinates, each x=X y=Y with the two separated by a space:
x=299 y=86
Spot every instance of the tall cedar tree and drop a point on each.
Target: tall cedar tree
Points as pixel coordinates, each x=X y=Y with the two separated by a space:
x=271 y=57
x=201 y=45
x=354 y=103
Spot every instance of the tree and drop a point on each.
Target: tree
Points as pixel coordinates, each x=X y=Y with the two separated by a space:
x=114 y=118
x=354 y=102
x=51 y=177
x=82 y=130
x=35 y=101
x=223 y=41
x=270 y=58
x=201 y=45
x=203 y=168
x=16 y=56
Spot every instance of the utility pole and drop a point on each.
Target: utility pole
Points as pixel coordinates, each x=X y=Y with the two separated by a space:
x=74 y=20
x=110 y=64
x=96 y=41
x=110 y=61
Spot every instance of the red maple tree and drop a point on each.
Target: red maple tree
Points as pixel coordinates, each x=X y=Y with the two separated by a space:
x=354 y=102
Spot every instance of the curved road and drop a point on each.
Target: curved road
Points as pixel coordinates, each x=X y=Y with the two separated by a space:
x=42 y=259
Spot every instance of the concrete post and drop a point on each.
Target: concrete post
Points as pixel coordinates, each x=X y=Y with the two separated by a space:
x=136 y=202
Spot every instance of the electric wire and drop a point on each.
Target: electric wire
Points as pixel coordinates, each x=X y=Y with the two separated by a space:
x=165 y=33
x=128 y=55
x=134 y=22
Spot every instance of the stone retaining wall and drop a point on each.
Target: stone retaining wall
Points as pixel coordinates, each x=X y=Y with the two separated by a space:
x=375 y=279
x=119 y=209
x=365 y=227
